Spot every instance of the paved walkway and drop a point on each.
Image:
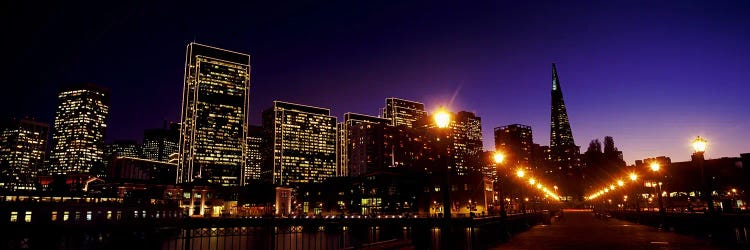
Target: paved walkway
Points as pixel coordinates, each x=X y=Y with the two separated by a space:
x=581 y=230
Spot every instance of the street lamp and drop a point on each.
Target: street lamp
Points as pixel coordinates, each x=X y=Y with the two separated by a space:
x=699 y=145
x=634 y=178
x=442 y=119
x=499 y=157
x=655 y=167
x=520 y=173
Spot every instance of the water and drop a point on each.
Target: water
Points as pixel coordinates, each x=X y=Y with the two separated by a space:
x=275 y=237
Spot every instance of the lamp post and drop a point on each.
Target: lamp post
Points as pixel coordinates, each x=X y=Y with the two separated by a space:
x=655 y=167
x=699 y=145
x=442 y=121
x=634 y=178
x=520 y=173
x=498 y=158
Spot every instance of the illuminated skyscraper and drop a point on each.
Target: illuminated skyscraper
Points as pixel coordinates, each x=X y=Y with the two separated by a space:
x=563 y=151
x=23 y=144
x=214 y=116
x=255 y=137
x=403 y=112
x=160 y=143
x=80 y=124
x=516 y=142
x=302 y=144
x=363 y=145
x=467 y=142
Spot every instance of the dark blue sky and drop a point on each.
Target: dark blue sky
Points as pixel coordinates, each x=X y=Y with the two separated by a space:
x=652 y=75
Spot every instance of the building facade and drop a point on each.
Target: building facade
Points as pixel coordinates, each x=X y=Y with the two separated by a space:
x=467 y=142
x=363 y=144
x=403 y=112
x=160 y=143
x=79 y=128
x=515 y=141
x=214 y=116
x=122 y=148
x=255 y=137
x=302 y=144
x=23 y=147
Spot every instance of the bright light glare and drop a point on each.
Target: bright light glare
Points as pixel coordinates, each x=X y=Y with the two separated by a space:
x=620 y=183
x=520 y=173
x=655 y=167
x=498 y=157
x=442 y=118
x=532 y=181
x=633 y=177
x=699 y=144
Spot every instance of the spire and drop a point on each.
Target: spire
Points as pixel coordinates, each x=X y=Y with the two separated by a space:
x=555 y=80
x=561 y=135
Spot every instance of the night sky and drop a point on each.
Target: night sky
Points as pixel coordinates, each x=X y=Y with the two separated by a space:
x=652 y=75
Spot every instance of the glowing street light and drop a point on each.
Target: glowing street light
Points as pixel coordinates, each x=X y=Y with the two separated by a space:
x=699 y=144
x=498 y=157
x=633 y=177
x=520 y=173
x=620 y=183
x=442 y=118
x=655 y=167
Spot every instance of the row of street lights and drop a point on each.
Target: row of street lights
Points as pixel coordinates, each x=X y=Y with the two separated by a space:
x=699 y=145
x=499 y=158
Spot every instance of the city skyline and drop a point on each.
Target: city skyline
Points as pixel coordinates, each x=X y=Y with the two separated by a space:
x=647 y=112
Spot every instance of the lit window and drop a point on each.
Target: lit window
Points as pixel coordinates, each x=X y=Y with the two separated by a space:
x=14 y=216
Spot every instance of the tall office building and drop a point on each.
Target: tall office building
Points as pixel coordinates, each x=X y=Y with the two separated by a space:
x=214 y=116
x=516 y=142
x=563 y=151
x=80 y=124
x=23 y=144
x=363 y=144
x=302 y=144
x=403 y=112
x=255 y=137
x=160 y=143
x=467 y=142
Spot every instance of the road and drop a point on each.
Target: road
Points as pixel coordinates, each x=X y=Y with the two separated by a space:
x=582 y=230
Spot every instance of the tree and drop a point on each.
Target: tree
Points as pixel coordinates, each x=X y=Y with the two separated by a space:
x=612 y=156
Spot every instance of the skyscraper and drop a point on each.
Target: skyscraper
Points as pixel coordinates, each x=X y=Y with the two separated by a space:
x=160 y=143
x=563 y=151
x=363 y=145
x=23 y=144
x=255 y=137
x=80 y=124
x=214 y=116
x=467 y=142
x=516 y=142
x=403 y=112
x=302 y=144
